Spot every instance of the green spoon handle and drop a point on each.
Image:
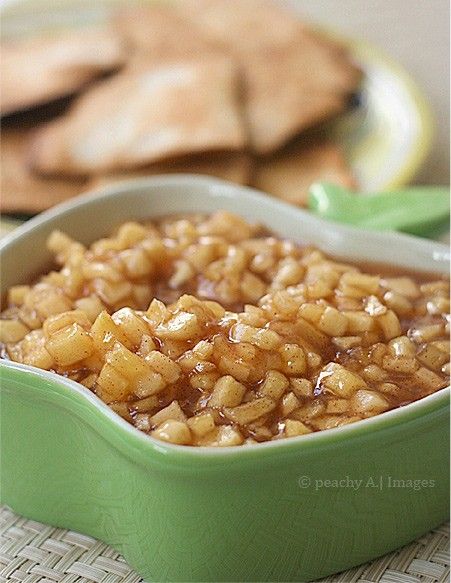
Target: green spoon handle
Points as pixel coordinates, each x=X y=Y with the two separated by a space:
x=418 y=210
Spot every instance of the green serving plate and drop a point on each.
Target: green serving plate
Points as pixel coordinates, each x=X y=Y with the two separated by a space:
x=293 y=510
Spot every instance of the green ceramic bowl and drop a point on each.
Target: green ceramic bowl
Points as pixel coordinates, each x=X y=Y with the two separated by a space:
x=292 y=510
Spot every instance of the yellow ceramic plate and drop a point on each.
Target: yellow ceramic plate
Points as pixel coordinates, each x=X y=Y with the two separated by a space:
x=386 y=136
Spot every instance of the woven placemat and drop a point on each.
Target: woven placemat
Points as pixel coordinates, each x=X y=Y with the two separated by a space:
x=36 y=553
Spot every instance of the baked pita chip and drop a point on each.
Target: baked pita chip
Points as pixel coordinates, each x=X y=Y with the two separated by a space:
x=20 y=190
x=161 y=33
x=244 y=26
x=232 y=167
x=154 y=113
x=290 y=173
x=41 y=69
x=294 y=78
x=289 y=91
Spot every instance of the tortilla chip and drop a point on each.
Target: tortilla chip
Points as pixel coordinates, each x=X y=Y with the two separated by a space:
x=232 y=167
x=289 y=91
x=248 y=26
x=290 y=173
x=293 y=89
x=41 y=69
x=161 y=33
x=157 y=112
x=294 y=78
x=20 y=190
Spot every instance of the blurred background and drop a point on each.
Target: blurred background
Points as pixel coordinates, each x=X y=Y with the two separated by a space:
x=350 y=93
x=417 y=34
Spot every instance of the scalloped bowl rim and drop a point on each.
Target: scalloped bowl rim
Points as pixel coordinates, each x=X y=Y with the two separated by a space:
x=397 y=416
